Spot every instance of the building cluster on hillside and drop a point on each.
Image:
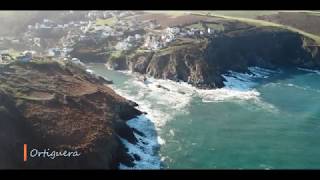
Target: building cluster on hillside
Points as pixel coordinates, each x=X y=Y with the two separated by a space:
x=155 y=41
x=121 y=29
x=52 y=25
x=58 y=52
x=129 y=42
x=70 y=31
x=93 y=15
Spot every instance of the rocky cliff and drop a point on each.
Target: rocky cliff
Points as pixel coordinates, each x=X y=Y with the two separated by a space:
x=61 y=107
x=202 y=62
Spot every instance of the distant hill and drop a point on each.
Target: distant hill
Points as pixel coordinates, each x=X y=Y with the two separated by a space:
x=307 y=21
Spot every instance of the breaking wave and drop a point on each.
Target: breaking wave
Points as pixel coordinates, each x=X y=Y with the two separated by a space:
x=146 y=146
x=246 y=81
x=309 y=70
x=162 y=100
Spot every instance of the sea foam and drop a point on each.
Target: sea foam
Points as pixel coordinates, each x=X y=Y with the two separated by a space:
x=309 y=70
x=238 y=86
x=162 y=100
x=146 y=147
x=161 y=104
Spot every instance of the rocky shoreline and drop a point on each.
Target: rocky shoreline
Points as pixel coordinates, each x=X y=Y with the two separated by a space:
x=202 y=62
x=62 y=107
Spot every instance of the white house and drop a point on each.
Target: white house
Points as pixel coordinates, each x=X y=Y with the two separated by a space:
x=15 y=41
x=152 y=42
x=122 y=45
x=137 y=36
x=209 y=31
x=130 y=39
x=43 y=26
x=29 y=52
x=107 y=28
x=51 y=52
x=78 y=62
x=173 y=30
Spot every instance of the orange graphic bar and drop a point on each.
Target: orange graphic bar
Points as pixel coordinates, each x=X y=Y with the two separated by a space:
x=25 y=152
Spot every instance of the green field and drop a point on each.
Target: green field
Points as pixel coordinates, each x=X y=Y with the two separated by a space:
x=106 y=22
x=259 y=23
x=172 y=14
x=217 y=27
x=115 y=54
x=196 y=26
x=199 y=26
x=244 y=14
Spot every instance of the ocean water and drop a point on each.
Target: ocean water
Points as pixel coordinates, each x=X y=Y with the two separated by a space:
x=261 y=120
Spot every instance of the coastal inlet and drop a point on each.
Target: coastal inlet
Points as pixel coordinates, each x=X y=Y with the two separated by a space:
x=264 y=120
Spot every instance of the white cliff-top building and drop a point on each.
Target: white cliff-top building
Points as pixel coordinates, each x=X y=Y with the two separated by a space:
x=122 y=46
x=138 y=36
x=130 y=39
x=173 y=30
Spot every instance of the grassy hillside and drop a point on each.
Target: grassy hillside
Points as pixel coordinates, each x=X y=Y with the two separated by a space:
x=172 y=14
x=258 y=23
x=106 y=22
x=243 y=14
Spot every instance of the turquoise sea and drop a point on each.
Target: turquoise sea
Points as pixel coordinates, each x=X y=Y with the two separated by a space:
x=264 y=120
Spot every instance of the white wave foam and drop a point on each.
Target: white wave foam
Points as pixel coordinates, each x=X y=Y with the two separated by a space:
x=238 y=86
x=262 y=72
x=163 y=99
x=89 y=71
x=304 y=88
x=177 y=95
x=161 y=103
x=146 y=147
x=238 y=82
x=309 y=70
x=246 y=81
x=223 y=94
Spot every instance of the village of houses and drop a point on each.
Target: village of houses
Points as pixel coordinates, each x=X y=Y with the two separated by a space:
x=52 y=40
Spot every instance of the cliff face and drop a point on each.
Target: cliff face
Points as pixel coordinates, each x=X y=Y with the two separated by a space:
x=264 y=47
x=61 y=107
x=89 y=51
x=179 y=63
x=202 y=62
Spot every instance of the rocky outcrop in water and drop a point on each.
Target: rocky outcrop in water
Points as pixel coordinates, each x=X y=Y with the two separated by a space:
x=61 y=107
